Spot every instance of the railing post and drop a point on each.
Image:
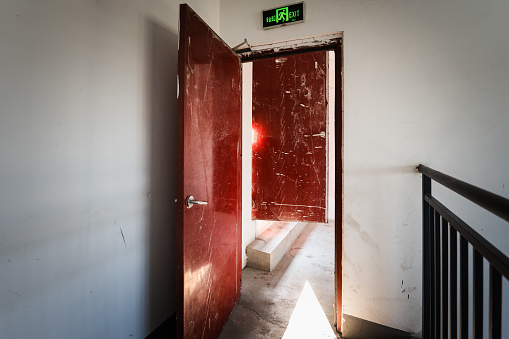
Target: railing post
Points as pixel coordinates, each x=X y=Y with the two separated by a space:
x=431 y=273
x=463 y=287
x=454 y=284
x=426 y=262
x=478 y=295
x=495 y=325
x=445 y=281
x=437 y=274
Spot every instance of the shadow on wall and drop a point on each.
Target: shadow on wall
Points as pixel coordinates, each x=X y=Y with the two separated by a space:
x=357 y=328
x=161 y=101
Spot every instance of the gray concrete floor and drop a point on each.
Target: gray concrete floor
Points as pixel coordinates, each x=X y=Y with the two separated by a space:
x=268 y=299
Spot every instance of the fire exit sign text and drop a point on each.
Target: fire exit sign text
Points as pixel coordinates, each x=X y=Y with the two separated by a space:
x=282 y=16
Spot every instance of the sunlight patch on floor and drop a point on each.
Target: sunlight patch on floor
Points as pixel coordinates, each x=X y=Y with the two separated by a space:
x=308 y=319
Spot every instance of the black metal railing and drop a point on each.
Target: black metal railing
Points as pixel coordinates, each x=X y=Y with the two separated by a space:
x=442 y=315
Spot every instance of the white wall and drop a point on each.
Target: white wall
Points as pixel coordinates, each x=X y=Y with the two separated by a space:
x=87 y=174
x=248 y=226
x=424 y=82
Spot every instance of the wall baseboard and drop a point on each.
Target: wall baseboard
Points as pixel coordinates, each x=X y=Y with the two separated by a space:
x=167 y=330
x=357 y=328
x=353 y=328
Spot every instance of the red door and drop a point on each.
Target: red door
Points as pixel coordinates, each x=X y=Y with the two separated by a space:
x=289 y=149
x=209 y=170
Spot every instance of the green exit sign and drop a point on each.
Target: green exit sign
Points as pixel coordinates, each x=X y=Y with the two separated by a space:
x=282 y=16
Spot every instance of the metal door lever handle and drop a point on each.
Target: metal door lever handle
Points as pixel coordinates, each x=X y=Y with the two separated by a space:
x=321 y=134
x=190 y=202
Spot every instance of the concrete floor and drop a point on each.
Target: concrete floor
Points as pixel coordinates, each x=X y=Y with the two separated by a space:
x=295 y=298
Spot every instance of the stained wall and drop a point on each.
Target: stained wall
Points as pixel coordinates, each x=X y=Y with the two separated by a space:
x=424 y=82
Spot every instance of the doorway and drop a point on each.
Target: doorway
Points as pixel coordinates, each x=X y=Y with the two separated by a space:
x=252 y=228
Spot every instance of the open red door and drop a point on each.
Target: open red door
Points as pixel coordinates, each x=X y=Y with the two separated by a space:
x=209 y=171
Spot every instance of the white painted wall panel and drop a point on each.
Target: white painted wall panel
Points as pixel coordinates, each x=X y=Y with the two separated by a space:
x=424 y=82
x=87 y=174
x=248 y=226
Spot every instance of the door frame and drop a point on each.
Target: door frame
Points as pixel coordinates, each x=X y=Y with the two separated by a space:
x=336 y=45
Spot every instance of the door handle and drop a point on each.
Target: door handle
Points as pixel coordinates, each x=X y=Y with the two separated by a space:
x=190 y=202
x=321 y=134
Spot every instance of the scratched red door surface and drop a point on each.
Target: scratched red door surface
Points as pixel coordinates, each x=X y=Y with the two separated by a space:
x=289 y=140
x=209 y=140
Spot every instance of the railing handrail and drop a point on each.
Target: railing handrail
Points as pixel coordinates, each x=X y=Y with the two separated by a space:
x=494 y=256
x=491 y=202
x=441 y=314
x=445 y=308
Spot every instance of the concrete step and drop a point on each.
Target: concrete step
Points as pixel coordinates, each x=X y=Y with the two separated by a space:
x=268 y=248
